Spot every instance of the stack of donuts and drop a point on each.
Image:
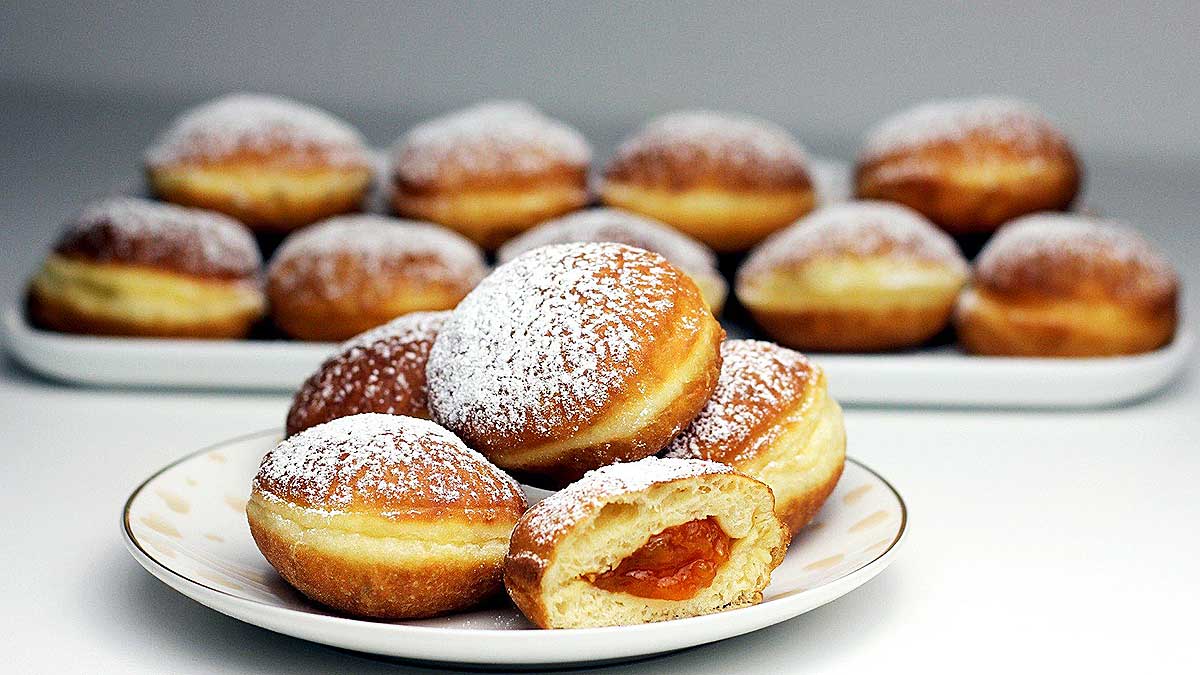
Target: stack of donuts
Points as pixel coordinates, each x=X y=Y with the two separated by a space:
x=816 y=258
x=684 y=463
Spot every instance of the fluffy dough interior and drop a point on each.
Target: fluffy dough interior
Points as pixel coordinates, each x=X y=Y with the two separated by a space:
x=623 y=526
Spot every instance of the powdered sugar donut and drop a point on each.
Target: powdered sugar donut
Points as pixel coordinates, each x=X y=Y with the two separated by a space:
x=1065 y=285
x=970 y=164
x=572 y=357
x=651 y=540
x=857 y=276
x=771 y=417
x=623 y=227
x=490 y=171
x=351 y=273
x=384 y=516
x=381 y=370
x=728 y=180
x=128 y=266
x=271 y=162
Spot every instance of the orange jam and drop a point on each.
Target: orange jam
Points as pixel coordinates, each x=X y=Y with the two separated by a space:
x=673 y=565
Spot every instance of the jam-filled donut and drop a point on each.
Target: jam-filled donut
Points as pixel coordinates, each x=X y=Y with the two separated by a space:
x=727 y=180
x=772 y=418
x=623 y=227
x=970 y=165
x=271 y=162
x=1065 y=285
x=345 y=275
x=381 y=371
x=651 y=540
x=490 y=171
x=857 y=276
x=134 y=267
x=572 y=357
x=384 y=516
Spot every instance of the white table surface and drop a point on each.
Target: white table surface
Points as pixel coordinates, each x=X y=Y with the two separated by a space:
x=1039 y=539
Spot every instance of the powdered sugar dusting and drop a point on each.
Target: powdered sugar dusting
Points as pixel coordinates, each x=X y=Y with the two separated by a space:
x=701 y=136
x=258 y=123
x=622 y=227
x=542 y=343
x=139 y=231
x=1010 y=120
x=1087 y=242
x=554 y=515
x=488 y=138
x=381 y=370
x=401 y=465
x=857 y=228
x=758 y=380
x=381 y=248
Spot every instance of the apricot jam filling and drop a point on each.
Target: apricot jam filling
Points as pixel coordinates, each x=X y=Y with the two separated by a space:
x=674 y=564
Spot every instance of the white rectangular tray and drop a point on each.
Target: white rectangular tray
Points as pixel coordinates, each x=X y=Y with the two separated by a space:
x=940 y=376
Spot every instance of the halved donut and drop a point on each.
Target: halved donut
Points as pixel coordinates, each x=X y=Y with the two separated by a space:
x=652 y=540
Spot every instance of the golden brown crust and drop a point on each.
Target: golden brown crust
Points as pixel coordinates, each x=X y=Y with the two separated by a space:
x=57 y=316
x=380 y=371
x=1055 y=257
x=381 y=591
x=147 y=234
x=854 y=329
x=349 y=274
x=1063 y=285
x=974 y=183
x=1001 y=325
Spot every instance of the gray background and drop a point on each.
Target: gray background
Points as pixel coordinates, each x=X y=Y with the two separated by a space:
x=1123 y=78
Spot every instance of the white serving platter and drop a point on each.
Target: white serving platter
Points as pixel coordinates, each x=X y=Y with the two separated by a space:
x=939 y=376
x=187 y=526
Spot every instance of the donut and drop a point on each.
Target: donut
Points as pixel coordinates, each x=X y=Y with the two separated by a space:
x=490 y=171
x=384 y=516
x=857 y=276
x=771 y=417
x=1066 y=285
x=572 y=357
x=969 y=165
x=602 y=224
x=351 y=273
x=271 y=162
x=132 y=267
x=727 y=180
x=651 y=540
x=379 y=371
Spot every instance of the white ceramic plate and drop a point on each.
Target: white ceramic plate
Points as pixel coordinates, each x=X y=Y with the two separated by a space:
x=938 y=376
x=186 y=525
